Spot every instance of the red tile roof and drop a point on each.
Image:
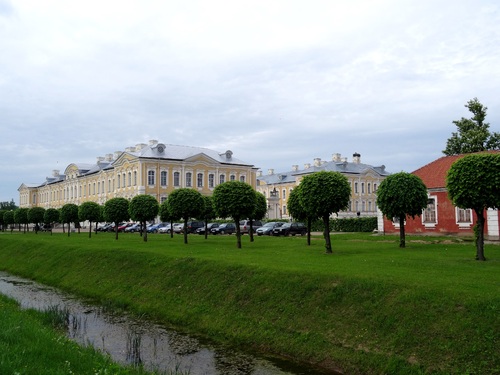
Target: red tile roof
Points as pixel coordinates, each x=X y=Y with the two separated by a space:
x=434 y=174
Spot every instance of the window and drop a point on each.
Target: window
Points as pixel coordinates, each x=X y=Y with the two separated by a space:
x=135 y=178
x=369 y=186
x=211 y=179
x=369 y=205
x=242 y=178
x=356 y=187
x=363 y=206
x=163 y=178
x=177 y=178
x=189 y=176
x=284 y=210
x=163 y=199
x=464 y=216
x=429 y=214
x=151 y=177
x=374 y=188
x=232 y=177
x=109 y=185
x=284 y=194
x=222 y=178
x=129 y=178
x=124 y=179
x=99 y=187
x=93 y=190
x=199 y=180
x=362 y=188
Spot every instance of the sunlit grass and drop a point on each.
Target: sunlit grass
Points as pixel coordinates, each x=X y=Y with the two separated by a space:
x=368 y=307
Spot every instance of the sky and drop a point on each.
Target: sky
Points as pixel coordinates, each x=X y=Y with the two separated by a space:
x=278 y=82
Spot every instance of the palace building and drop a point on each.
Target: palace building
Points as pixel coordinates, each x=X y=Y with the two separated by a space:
x=363 y=178
x=156 y=169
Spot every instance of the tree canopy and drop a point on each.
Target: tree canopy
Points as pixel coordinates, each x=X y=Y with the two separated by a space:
x=322 y=194
x=258 y=213
x=208 y=212
x=143 y=208
x=51 y=216
x=8 y=218
x=35 y=216
x=298 y=212
x=234 y=199
x=401 y=195
x=185 y=203
x=473 y=133
x=21 y=217
x=90 y=211
x=473 y=182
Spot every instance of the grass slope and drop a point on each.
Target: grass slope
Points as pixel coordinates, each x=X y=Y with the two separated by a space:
x=368 y=308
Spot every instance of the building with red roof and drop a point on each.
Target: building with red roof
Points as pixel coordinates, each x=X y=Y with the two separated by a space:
x=441 y=216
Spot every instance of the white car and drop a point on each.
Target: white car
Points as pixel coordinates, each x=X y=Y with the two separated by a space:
x=166 y=228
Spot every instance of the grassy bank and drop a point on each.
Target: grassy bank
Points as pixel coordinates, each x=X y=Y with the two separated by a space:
x=30 y=345
x=368 y=308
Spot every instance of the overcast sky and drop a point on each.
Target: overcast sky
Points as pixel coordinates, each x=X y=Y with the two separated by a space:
x=278 y=82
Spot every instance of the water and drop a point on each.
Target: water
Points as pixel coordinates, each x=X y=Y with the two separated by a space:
x=132 y=341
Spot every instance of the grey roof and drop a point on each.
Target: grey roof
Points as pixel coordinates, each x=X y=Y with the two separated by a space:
x=176 y=152
x=333 y=166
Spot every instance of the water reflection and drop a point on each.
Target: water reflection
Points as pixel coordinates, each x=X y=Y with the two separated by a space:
x=131 y=341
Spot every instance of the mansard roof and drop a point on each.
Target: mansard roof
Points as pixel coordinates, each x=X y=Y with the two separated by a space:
x=344 y=167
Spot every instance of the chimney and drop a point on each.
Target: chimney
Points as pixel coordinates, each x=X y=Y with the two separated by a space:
x=295 y=167
x=336 y=157
x=356 y=158
x=344 y=159
x=117 y=154
x=55 y=172
x=307 y=165
x=317 y=162
x=259 y=173
x=140 y=146
x=109 y=157
x=153 y=142
x=130 y=149
x=100 y=159
x=270 y=171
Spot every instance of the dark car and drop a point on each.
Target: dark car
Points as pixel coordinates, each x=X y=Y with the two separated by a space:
x=290 y=229
x=267 y=228
x=245 y=225
x=192 y=226
x=225 y=228
x=209 y=228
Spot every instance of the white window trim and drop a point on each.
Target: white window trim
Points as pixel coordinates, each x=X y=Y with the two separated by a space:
x=461 y=224
x=431 y=225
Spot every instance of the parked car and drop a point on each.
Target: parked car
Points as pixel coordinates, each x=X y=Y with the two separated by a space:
x=209 y=228
x=178 y=227
x=132 y=228
x=166 y=228
x=225 y=228
x=290 y=229
x=121 y=228
x=267 y=228
x=192 y=226
x=245 y=225
x=154 y=228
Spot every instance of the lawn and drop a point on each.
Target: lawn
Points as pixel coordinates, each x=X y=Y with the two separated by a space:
x=370 y=307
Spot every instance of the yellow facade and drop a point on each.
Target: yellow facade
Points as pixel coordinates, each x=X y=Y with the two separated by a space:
x=155 y=169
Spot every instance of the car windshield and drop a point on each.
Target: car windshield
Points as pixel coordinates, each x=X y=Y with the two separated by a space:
x=269 y=224
x=286 y=225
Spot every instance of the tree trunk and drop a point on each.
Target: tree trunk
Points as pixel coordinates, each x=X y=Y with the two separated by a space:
x=90 y=229
x=402 y=237
x=238 y=232
x=250 y=231
x=69 y=228
x=206 y=229
x=480 y=234
x=116 y=230
x=185 y=231
x=143 y=225
x=309 y=224
x=326 y=234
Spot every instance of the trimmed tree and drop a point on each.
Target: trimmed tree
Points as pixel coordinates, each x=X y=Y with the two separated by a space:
x=208 y=212
x=69 y=214
x=21 y=218
x=473 y=182
x=258 y=213
x=51 y=216
x=90 y=211
x=35 y=216
x=185 y=203
x=402 y=195
x=116 y=211
x=143 y=208
x=322 y=194
x=473 y=134
x=2 y=222
x=234 y=199
x=298 y=212
x=8 y=219
x=166 y=216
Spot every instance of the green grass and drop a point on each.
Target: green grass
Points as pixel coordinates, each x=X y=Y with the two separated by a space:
x=30 y=345
x=368 y=308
